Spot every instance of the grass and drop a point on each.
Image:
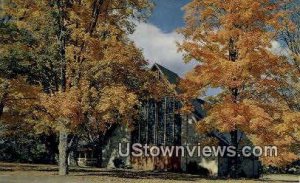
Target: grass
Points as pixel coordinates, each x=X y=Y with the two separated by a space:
x=28 y=173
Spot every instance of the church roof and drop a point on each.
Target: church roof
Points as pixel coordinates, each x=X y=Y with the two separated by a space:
x=171 y=76
x=174 y=79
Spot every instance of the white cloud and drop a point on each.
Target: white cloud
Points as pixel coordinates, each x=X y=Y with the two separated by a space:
x=160 y=47
x=278 y=49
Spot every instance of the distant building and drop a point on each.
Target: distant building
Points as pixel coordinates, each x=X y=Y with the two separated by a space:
x=162 y=125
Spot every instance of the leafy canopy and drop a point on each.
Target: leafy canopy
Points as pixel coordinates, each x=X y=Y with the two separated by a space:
x=231 y=40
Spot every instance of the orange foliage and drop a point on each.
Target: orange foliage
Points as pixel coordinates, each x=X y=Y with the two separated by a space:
x=104 y=71
x=231 y=39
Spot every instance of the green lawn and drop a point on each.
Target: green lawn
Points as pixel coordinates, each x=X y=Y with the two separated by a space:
x=27 y=173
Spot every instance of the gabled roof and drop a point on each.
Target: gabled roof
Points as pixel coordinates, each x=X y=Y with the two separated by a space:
x=174 y=79
x=171 y=76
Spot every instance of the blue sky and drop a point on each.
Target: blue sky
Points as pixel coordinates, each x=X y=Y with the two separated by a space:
x=157 y=37
x=168 y=14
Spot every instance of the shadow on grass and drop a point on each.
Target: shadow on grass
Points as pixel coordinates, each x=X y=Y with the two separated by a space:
x=121 y=173
x=281 y=181
x=129 y=174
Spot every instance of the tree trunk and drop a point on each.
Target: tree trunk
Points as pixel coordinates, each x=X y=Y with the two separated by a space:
x=233 y=161
x=63 y=153
x=1 y=108
x=98 y=152
x=2 y=99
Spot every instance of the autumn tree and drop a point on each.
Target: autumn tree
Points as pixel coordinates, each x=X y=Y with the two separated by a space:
x=21 y=70
x=290 y=33
x=25 y=73
x=100 y=69
x=231 y=40
x=289 y=36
